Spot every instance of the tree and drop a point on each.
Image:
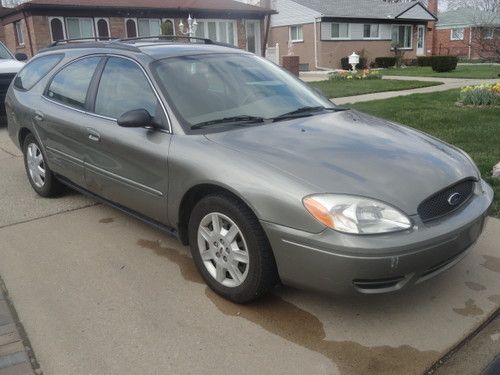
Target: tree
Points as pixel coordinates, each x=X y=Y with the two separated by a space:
x=485 y=5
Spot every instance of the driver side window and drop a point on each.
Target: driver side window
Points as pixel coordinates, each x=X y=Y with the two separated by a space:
x=122 y=88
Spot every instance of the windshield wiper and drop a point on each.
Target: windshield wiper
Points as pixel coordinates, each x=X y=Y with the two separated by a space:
x=306 y=111
x=242 y=119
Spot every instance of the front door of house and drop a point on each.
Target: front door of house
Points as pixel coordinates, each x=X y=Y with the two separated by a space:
x=421 y=40
x=253 y=36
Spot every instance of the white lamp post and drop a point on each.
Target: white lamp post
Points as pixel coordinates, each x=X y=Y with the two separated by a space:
x=353 y=61
x=192 y=25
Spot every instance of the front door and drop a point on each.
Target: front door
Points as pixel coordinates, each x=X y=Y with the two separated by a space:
x=421 y=40
x=253 y=37
x=128 y=166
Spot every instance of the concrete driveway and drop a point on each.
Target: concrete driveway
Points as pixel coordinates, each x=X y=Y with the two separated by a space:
x=101 y=293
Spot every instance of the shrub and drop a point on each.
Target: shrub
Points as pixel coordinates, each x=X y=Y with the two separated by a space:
x=360 y=74
x=424 y=60
x=344 y=62
x=442 y=64
x=481 y=95
x=410 y=62
x=385 y=62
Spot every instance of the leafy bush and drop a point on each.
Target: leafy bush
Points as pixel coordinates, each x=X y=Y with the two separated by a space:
x=442 y=64
x=424 y=60
x=410 y=62
x=482 y=95
x=344 y=62
x=385 y=62
x=360 y=74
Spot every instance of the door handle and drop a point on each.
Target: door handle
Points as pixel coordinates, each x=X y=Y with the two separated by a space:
x=93 y=135
x=38 y=116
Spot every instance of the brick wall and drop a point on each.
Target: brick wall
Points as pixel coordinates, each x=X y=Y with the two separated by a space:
x=11 y=42
x=443 y=45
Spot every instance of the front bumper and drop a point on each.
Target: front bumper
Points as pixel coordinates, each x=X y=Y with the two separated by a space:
x=336 y=262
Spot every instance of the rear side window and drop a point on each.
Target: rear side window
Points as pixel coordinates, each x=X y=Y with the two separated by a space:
x=70 y=85
x=123 y=88
x=35 y=70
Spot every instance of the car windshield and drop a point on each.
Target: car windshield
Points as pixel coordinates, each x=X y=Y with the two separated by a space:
x=5 y=53
x=229 y=88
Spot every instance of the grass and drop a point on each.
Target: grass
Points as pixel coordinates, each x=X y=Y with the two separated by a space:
x=340 y=88
x=475 y=130
x=462 y=71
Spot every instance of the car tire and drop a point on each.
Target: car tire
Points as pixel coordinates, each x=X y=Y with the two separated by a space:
x=243 y=282
x=41 y=178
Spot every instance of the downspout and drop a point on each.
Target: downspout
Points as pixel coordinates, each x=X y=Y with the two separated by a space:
x=29 y=33
x=470 y=40
x=316 y=63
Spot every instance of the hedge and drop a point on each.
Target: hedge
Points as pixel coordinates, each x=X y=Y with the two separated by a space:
x=344 y=62
x=424 y=60
x=385 y=62
x=444 y=63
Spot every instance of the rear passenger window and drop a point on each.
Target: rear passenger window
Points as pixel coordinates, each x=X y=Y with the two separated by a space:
x=123 y=88
x=35 y=70
x=71 y=84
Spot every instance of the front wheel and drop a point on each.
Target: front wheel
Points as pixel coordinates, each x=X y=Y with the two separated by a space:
x=230 y=249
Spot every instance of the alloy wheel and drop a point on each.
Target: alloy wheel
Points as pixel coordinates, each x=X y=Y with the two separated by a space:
x=36 y=165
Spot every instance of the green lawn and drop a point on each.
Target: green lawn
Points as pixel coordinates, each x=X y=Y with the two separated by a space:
x=340 y=88
x=462 y=71
x=475 y=130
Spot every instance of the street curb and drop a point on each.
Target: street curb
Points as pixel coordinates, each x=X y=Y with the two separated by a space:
x=33 y=362
x=440 y=362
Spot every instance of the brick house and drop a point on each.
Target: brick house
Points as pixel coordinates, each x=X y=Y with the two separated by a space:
x=468 y=33
x=33 y=25
x=321 y=32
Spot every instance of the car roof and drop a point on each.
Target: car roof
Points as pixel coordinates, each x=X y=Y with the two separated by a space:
x=155 y=48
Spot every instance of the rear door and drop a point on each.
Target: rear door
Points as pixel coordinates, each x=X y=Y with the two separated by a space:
x=128 y=166
x=62 y=117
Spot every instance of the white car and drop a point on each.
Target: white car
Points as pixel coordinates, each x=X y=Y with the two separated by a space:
x=9 y=66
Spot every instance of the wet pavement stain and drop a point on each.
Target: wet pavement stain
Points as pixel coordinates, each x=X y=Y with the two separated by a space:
x=495 y=299
x=492 y=263
x=106 y=220
x=470 y=309
x=474 y=286
x=290 y=322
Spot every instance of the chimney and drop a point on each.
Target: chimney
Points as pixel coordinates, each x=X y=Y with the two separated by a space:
x=431 y=40
x=432 y=6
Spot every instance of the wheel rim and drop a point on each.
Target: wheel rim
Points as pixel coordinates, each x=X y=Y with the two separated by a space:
x=223 y=249
x=36 y=165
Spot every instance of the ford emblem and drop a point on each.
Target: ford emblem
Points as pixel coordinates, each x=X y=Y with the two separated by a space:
x=454 y=199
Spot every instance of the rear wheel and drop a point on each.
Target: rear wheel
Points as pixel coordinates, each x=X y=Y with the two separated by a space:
x=40 y=177
x=230 y=249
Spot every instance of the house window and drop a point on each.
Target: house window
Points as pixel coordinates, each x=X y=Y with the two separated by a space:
x=131 y=28
x=102 y=27
x=79 y=28
x=167 y=27
x=488 y=33
x=149 y=27
x=19 y=33
x=340 y=31
x=218 y=30
x=370 y=31
x=296 y=33
x=457 y=34
x=402 y=36
x=57 y=28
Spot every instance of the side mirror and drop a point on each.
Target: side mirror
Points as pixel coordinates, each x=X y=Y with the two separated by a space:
x=21 y=56
x=138 y=118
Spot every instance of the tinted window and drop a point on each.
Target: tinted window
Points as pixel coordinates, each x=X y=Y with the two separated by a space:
x=4 y=52
x=123 y=88
x=35 y=71
x=71 y=84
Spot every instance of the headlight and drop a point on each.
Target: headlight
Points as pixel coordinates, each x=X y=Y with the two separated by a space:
x=351 y=214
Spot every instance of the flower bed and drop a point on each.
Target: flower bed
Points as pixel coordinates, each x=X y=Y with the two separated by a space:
x=482 y=95
x=360 y=74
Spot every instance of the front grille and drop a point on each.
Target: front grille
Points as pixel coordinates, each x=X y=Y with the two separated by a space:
x=374 y=284
x=446 y=201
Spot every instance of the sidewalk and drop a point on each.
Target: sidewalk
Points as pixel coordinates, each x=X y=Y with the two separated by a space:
x=448 y=84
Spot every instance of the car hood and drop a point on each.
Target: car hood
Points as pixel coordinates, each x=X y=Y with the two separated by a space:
x=10 y=66
x=354 y=153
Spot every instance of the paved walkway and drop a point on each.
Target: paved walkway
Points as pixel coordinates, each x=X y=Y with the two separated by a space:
x=448 y=84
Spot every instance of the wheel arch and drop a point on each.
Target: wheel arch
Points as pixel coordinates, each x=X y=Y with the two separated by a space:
x=23 y=133
x=193 y=196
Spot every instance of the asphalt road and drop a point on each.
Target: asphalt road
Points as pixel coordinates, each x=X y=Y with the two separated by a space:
x=101 y=293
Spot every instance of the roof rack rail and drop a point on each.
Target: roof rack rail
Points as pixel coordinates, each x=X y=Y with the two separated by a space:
x=81 y=40
x=92 y=42
x=161 y=38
